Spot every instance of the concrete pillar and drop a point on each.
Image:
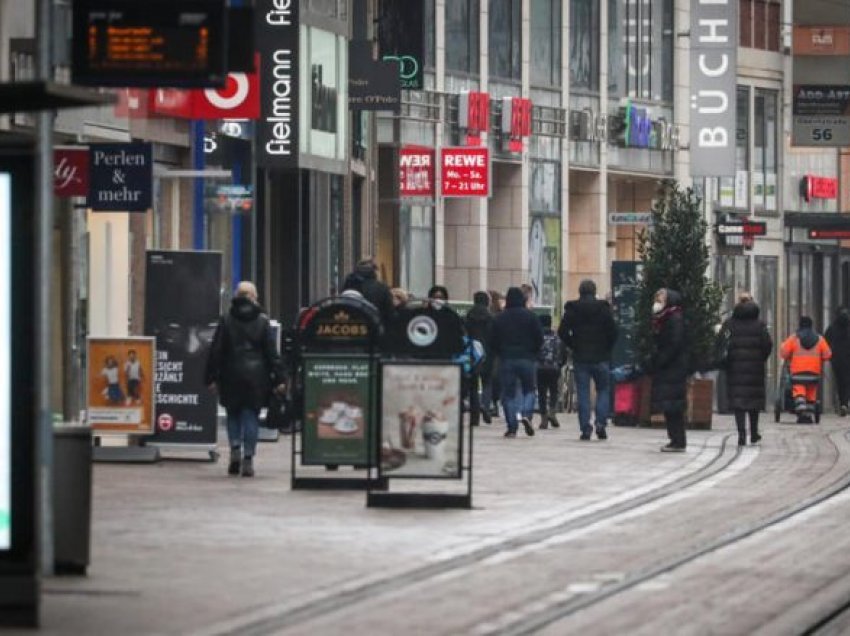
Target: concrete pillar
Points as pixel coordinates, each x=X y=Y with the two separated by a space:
x=109 y=275
x=508 y=227
x=588 y=232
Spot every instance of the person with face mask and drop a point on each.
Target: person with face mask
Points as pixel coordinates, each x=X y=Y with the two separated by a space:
x=838 y=337
x=669 y=366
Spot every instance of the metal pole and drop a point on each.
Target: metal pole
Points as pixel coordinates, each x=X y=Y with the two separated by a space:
x=43 y=301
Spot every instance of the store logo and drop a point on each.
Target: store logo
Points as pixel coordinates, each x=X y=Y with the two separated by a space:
x=408 y=69
x=422 y=331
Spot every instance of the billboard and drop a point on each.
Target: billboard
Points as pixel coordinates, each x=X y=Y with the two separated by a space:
x=120 y=382
x=714 y=66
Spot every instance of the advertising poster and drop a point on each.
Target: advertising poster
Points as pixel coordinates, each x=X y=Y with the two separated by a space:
x=758 y=189
x=6 y=408
x=182 y=306
x=336 y=409
x=625 y=291
x=544 y=260
x=120 y=381
x=421 y=420
x=770 y=191
x=727 y=192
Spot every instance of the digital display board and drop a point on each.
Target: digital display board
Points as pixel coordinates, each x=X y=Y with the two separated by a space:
x=5 y=362
x=155 y=43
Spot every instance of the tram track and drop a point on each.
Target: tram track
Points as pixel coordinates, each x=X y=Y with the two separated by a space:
x=273 y=619
x=562 y=605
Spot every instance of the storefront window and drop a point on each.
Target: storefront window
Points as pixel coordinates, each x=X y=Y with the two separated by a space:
x=324 y=111
x=640 y=61
x=545 y=186
x=546 y=42
x=584 y=44
x=416 y=252
x=462 y=36
x=505 y=38
x=759 y=22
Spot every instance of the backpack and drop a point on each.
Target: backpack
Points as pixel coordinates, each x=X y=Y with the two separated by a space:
x=721 y=347
x=550 y=354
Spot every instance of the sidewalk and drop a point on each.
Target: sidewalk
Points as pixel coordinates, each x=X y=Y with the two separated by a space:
x=179 y=547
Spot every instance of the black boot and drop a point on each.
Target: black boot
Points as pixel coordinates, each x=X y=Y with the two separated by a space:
x=741 y=423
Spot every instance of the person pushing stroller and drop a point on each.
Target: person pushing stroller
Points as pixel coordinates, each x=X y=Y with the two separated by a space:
x=805 y=351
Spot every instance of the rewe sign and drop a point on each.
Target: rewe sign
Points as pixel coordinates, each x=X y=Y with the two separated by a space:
x=465 y=172
x=416 y=172
x=714 y=66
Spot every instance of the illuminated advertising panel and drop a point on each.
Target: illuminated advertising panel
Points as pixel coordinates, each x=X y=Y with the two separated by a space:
x=5 y=362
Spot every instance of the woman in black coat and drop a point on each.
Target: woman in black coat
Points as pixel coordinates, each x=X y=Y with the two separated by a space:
x=748 y=349
x=669 y=366
x=838 y=337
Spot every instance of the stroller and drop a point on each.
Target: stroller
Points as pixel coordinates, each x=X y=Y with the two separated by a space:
x=785 y=399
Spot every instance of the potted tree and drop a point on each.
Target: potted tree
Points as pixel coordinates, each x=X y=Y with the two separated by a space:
x=674 y=254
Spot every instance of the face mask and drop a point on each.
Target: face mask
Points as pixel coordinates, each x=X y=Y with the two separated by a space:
x=657 y=307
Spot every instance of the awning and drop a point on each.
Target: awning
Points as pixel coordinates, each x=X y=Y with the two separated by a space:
x=19 y=97
x=817 y=220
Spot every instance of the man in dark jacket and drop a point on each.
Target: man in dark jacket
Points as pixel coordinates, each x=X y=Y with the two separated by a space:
x=478 y=322
x=588 y=328
x=243 y=366
x=364 y=279
x=838 y=337
x=515 y=338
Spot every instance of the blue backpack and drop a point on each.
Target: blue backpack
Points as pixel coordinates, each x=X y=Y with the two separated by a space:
x=472 y=355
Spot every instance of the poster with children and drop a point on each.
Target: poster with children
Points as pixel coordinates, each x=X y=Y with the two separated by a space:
x=120 y=385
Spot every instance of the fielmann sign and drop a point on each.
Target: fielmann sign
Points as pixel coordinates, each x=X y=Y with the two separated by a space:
x=714 y=65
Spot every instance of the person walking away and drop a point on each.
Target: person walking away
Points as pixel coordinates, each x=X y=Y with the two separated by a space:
x=497 y=306
x=588 y=328
x=549 y=363
x=478 y=322
x=364 y=279
x=515 y=339
x=669 y=366
x=243 y=366
x=838 y=338
x=805 y=351
x=749 y=346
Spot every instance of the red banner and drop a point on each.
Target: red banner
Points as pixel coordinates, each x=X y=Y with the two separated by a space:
x=520 y=122
x=820 y=187
x=465 y=172
x=134 y=103
x=474 y=115
x=71 y=172
x=416 y=171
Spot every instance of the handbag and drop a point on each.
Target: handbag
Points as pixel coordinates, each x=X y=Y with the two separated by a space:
x=721 y=356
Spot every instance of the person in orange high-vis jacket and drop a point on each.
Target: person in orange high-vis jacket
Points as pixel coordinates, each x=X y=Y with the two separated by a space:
x=805 y=352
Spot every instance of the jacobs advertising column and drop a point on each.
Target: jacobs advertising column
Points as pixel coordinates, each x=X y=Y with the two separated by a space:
x=182 y=305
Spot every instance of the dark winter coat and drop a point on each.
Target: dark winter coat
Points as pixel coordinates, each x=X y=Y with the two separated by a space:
x=838 y=337
x=365 y=280
x=669 y=363
x=749 y=348
x=588 y=328
x=478 y=323
x=244 y=361
x=516 y=332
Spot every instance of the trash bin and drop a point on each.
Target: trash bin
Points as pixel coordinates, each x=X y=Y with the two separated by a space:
x=72 y=461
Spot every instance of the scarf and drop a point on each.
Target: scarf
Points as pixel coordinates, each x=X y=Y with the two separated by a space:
x=660 y=318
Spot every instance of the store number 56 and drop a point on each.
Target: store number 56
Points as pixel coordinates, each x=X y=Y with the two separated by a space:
x=822 y=134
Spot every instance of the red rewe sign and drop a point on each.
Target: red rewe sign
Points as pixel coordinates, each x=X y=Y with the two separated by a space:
x=416 y=171
x=520 y=122
x=465 y=172
x=820 y=187
x=474 y=115
x=71 y=172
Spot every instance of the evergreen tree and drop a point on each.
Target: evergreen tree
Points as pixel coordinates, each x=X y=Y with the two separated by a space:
x=675 y=255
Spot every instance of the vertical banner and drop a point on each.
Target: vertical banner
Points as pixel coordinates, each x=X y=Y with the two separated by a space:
x=120 y=383
x=714 y=66
x=182 y=304
x=625 y=292
x=544 y=260
x=277 y=43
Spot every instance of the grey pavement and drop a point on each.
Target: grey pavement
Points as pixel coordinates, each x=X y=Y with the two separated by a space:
x=180 y=548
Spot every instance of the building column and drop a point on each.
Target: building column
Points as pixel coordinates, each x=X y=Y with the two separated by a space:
x=588 y=232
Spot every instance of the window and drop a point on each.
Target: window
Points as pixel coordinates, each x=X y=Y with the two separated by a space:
x=742 y=128
x=760 y=24
x=584 y=44
x=765 y=148
x=546 y=42
x=462 y=36
x=505 y=39
x=640 y=59
x=430 y=35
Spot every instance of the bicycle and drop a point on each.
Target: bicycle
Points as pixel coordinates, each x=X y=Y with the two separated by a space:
x=567 y=401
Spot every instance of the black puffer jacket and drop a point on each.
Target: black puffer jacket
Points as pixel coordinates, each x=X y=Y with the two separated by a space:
x=478 y=323
x=588 y=328
x=669 y=364
x=244 y=361
x=516 y=332
x=365 y=280
x=838 y=337
x=749 y=347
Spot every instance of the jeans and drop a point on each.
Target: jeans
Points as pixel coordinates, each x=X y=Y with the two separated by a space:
x=511 y=371
x=600 y=373
x=243 y=424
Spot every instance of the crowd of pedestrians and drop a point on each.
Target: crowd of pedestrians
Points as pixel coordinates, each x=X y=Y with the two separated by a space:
x=520 y=359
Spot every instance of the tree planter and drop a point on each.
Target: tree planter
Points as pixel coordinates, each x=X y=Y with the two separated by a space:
x=698 y=409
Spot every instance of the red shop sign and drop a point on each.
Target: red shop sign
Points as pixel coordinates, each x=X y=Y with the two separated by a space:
x=71 y=172
x=416 y=171
x=819 y=187
x=520 y=122
x=465 y=172
x=474 y=115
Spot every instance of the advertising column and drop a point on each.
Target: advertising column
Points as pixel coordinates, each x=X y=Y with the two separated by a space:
x=182 y=306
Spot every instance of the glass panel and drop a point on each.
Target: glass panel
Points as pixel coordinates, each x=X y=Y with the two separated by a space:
x=805 y=286
x=760 y=24
x=742 y=132
x=505 y=38
x=767 y=269
x=584 y=32
x=828 y=300
x=746 y=23
x=773 y=26
x=416 y=254
x=758 y=132
x=430 y=35
x=545 y=186
x=771 y=132
x=616 y=48
x=462 y=36
x=545 y=42
x=793 y=290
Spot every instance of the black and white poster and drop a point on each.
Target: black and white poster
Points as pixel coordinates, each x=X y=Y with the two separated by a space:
x=714 y=68
x=277 y=43
x=182 y=307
